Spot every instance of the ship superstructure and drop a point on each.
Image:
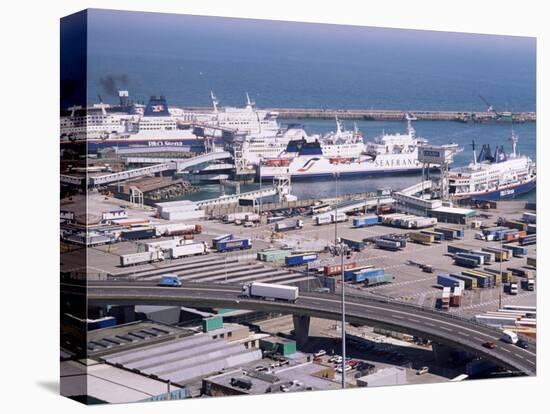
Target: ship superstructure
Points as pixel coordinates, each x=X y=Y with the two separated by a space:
x=493 y=176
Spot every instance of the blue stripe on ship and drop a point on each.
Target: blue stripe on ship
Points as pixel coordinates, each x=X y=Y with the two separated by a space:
x=505 y=194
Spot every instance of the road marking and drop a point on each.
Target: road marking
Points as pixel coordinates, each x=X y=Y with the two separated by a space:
x=398 y=317
x=427 y=323
x=506 y=350
x=519 y=356
x=447 y=329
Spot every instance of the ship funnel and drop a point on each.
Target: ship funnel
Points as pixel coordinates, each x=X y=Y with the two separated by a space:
x=410 y=128
x=123 y=98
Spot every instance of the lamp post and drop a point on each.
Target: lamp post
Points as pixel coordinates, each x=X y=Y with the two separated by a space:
x=500 y=287
x=260 y=206
x=336 y=209
x=341 y=249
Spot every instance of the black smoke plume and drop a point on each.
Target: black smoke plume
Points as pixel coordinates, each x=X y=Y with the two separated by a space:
x=111 y=84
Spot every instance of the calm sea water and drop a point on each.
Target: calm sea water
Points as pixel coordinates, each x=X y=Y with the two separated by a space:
x=282 y=64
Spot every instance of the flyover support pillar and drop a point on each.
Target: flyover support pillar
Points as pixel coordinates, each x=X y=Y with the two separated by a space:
x=301 y=330
x=123 y=314
x=441 y=353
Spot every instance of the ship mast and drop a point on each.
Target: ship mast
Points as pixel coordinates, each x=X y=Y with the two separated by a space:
x=215 y=101
x=474 y=158
x=338 y=127
x=249 y=102
x=514 y=139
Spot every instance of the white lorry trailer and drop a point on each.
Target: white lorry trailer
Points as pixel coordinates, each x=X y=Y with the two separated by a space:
x=270 y=291
x=141 y=257
x=191 y=249
x=295 y=225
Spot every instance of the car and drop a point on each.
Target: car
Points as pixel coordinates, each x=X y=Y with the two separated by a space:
x=320 y=353
x=339 y=368
x=522 y=343
x=489 y=345
x=422 y=371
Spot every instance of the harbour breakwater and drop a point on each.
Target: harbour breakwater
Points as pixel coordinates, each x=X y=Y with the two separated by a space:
x=397 y=115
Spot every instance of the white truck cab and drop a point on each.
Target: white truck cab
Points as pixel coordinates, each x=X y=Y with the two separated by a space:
x=509 y=337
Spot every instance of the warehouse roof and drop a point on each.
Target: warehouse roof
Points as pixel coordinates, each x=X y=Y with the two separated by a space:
x=183 y=359
x=455 y=210
x=107 y=383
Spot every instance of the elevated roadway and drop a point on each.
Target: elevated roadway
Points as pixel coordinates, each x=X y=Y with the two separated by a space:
x=159 y=165
x=234 y=198
x=442 y=328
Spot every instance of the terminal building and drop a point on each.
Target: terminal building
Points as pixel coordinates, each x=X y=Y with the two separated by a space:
x=307 y=376
x=433 y=208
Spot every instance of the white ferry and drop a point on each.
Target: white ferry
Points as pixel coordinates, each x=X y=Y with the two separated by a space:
x=156 y=124
x=385 y=155
x=493 y=176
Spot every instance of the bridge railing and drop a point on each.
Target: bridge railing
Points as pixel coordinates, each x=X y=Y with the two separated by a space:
x=431 y=310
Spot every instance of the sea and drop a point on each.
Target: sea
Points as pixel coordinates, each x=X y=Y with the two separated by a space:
x=289 y=64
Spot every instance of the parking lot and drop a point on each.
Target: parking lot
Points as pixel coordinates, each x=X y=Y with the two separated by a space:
x=410 y=283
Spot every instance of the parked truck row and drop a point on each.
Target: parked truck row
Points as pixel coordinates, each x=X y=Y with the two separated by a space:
x=408 y=221
x=174 y=251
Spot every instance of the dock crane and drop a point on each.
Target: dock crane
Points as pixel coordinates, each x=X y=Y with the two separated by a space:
x=498 y=116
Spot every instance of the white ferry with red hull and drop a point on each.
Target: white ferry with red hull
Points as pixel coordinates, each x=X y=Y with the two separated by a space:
x=388 y=154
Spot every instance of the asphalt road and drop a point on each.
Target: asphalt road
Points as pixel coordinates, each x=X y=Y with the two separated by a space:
x=440 y=327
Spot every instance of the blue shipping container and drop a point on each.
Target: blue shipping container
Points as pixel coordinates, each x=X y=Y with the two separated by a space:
x=377 y=279
x=300 y=259
x=478 y=258
x=364 y=274
x=463 y=261
x=235 y=244
x=138 y=234
x=348 y=273
x=365 y=221
x=448 y=281
x=356 y=245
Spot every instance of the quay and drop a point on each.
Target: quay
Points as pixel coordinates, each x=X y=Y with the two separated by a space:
x=396 y=115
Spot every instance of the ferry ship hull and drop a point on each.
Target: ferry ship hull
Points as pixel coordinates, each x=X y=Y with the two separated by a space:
x=349 y=174
x=304 y=168
x=506 y=193
x=191 y=144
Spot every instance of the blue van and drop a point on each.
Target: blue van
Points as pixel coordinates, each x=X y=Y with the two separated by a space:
x=170 y=281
